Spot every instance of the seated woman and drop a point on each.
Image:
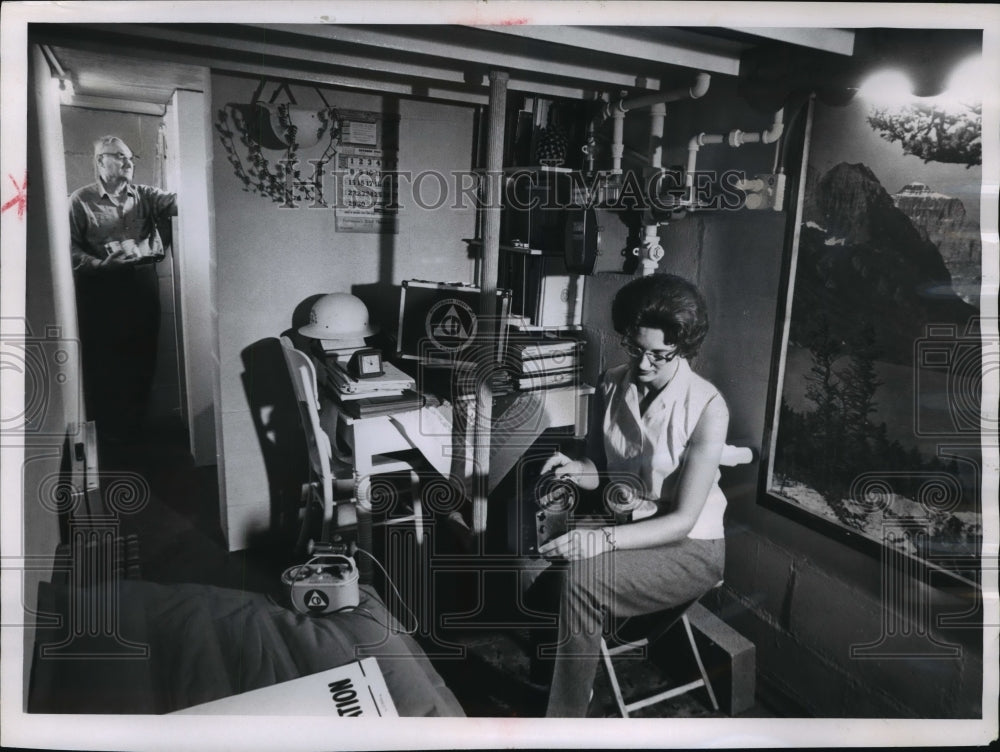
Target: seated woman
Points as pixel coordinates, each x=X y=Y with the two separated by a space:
x=659 y=428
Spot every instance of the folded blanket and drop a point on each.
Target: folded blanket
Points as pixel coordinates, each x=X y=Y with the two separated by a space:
x=173 y=646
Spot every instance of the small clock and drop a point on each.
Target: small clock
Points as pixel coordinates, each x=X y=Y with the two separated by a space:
x=366 y=363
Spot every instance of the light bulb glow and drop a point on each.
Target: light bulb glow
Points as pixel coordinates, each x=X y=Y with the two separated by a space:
x=889 y=87
x=966 y=82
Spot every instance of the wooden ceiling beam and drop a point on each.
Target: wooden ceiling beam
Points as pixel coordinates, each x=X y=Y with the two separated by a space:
x=676 y=47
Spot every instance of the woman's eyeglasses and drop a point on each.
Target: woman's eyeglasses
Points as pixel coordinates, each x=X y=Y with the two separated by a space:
x=656 y=357
x=117 y=156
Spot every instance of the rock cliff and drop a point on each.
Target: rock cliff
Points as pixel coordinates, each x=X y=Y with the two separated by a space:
x=862 y=261
x=942 y=220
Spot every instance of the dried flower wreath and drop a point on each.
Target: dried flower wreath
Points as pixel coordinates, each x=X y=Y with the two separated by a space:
x=255 y=126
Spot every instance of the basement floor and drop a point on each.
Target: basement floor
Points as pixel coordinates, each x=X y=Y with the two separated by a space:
x=180 y=540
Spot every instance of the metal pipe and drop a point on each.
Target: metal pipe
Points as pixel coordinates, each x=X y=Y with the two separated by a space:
x=53 y=61
x=47 y=223
x=488 y=304
x=591 y=147
x=652 y=251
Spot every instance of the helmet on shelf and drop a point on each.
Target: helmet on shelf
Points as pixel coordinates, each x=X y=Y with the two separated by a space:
x=340 y=320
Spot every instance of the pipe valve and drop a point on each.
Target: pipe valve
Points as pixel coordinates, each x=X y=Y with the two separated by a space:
x=650 y=254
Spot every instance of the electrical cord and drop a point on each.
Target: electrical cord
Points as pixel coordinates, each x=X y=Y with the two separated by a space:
x=395 y=592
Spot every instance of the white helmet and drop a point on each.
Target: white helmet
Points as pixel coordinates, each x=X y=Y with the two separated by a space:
x=340 y=319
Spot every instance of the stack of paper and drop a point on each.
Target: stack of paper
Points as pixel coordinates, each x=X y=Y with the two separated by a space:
x=392 y=383
x=546 y=362
x=353 y=690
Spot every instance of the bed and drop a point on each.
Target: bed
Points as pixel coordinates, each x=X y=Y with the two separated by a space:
x=179 y=645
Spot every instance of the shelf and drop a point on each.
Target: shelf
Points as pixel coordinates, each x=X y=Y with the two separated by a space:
x=539 y=168
x=524 y=250
x=534 y=328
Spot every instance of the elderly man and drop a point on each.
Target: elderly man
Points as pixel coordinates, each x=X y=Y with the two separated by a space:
x=115 y=232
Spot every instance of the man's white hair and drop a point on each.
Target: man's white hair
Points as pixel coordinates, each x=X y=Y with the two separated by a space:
x=99 y=145
x=103 y=141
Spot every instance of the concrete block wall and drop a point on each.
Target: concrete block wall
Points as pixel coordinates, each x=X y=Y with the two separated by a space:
x=835 y=648
x=803 y=598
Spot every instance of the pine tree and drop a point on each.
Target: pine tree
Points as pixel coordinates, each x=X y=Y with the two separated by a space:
x=826 y=421
x=932 y=132
x=859 y=383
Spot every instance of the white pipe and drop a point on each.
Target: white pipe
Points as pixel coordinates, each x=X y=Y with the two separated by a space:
x=773 y=133
x=694 y=144
x=617 y=111
x=652 y=251
x=657 y=116
x=617 y=141
x=735 y=138
x=701 y=84
x=695 y=91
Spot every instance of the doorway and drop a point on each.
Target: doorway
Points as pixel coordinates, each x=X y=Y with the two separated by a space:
x=144 y=132
x=160 y=110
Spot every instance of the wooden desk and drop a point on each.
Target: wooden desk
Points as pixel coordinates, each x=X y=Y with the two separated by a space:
x=446 y=440
x=521 y=417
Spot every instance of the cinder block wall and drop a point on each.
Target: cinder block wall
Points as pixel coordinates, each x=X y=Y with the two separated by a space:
x=805 y=599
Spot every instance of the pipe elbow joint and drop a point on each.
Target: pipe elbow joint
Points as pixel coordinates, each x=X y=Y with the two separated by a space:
x=773 y=133
x=777 y=128
x=700 y=87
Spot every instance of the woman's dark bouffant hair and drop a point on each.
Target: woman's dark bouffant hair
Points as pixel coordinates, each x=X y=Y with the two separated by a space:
x=666 y=302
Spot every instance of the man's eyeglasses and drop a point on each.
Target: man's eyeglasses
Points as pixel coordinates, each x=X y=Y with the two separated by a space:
x=118 y=157
x=656 y=357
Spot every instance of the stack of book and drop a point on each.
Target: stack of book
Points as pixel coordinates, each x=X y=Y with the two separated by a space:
x=545 y=362
x=391 y=392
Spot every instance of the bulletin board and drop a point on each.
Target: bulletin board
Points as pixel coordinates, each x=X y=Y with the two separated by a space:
x=366 y=164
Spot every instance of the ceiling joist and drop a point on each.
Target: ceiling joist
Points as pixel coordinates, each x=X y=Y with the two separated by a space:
x=449 y=63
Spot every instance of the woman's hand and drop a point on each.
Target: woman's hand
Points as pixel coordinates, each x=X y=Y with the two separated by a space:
x=581 y=543
x=581 y=473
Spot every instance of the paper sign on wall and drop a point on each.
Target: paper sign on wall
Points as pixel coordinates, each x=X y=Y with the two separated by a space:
x=366 y=163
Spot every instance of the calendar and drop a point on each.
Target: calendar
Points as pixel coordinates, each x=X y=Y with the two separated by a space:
x=367 y=169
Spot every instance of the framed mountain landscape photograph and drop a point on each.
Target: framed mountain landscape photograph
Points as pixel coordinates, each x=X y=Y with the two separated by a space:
x=876 y=424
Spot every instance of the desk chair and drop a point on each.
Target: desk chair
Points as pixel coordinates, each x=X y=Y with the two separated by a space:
x=638 y=633
x=332 y=476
